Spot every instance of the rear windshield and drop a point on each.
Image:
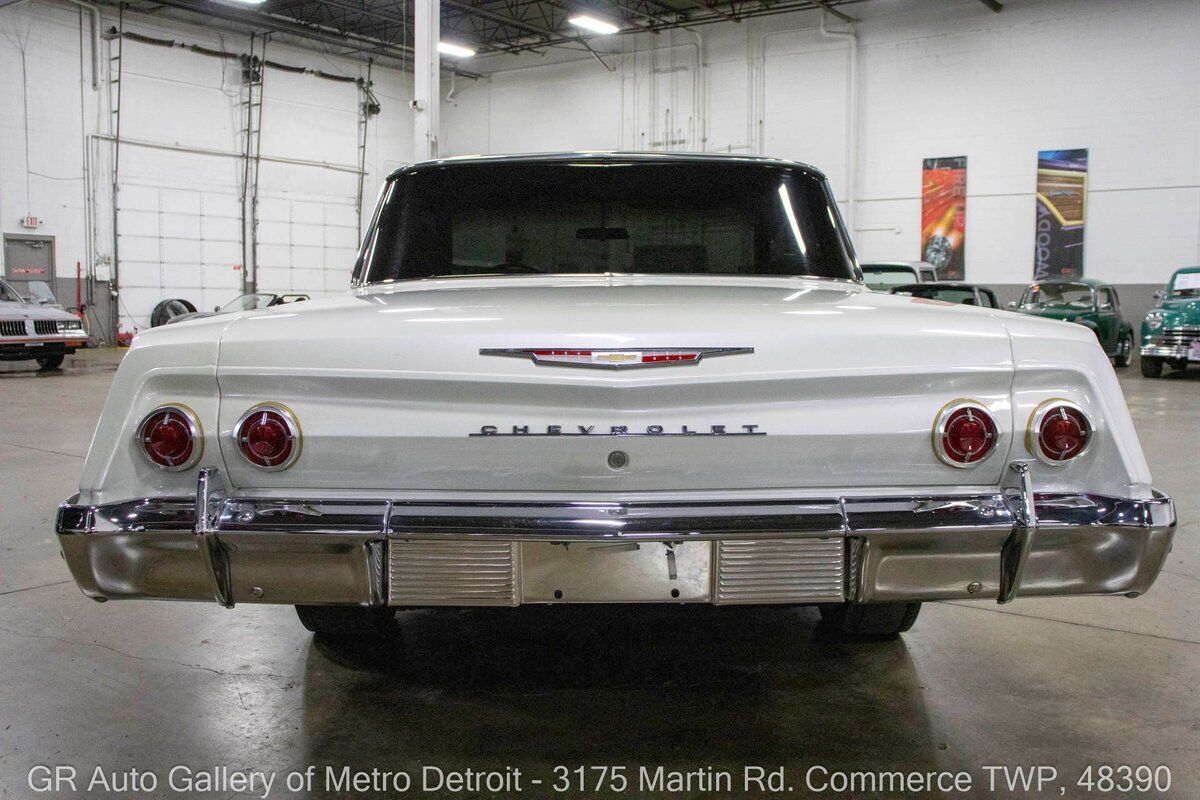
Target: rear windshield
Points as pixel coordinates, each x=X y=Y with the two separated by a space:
x=1062 y=295
x=948 y=294
x=885 y=276
x=590 y=217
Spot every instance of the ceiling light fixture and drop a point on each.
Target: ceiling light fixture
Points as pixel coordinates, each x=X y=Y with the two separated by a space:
x=600 y=26
x=455 y=50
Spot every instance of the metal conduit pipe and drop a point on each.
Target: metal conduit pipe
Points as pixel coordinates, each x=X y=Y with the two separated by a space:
x=756 y=121
x=851 y=38
x=758 y=114
x=95 y=12
x=696 y=82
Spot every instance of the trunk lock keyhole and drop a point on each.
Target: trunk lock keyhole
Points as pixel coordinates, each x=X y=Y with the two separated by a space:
x=618 y=459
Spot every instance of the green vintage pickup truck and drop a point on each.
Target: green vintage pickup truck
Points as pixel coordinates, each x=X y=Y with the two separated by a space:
x=1087 y=302
x=1171 y=332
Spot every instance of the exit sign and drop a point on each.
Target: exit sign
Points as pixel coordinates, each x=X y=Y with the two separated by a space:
x=30 y=222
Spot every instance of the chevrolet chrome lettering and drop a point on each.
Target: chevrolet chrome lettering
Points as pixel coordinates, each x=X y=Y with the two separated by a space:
x=622 y=430
x=610 y=358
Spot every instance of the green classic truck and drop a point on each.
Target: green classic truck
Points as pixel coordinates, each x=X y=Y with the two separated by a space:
x=1171 y=332
x=1087 y=302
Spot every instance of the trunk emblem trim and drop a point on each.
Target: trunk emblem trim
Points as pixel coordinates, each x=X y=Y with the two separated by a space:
x=614 y=358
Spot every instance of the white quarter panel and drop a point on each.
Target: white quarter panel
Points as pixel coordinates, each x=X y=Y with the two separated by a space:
x=174 y=364
x=389 y=383
x=1064 y=360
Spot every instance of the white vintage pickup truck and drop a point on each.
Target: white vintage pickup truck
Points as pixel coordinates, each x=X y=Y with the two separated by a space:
x=614 y=378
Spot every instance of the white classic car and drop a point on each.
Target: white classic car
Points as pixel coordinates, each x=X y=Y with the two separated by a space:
x=603 y=378
x=36 y=331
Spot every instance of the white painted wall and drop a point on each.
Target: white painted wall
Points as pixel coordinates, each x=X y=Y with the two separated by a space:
x=936 y=78
x=179 y=217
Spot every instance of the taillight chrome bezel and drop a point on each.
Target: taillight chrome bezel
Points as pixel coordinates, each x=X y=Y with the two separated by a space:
x=942 y=420
x=195 y=430
x=290 y=422
x=1033 y=433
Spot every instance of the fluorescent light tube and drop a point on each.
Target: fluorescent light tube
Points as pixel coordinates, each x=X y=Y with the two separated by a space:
x=600 y=26
x=455 y=50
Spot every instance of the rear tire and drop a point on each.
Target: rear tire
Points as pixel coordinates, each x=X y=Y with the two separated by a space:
x=50 y=361
x=1152 y=367
x=345 y=622
x=1124 y=351
x=168 y=309
x=869 y=620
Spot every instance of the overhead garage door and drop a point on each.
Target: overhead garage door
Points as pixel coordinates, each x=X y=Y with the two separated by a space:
x=178 y=229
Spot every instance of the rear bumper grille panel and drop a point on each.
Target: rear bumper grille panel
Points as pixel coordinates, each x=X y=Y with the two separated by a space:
x=452 y=573
x=780 y=571
x=480 y=573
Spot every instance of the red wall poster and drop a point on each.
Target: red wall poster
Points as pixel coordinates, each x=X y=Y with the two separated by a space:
x=944 y=215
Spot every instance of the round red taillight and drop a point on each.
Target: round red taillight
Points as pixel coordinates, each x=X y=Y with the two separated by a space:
x=1058 y=432
x=268 y=436
x=170 y=437
x=964 y=433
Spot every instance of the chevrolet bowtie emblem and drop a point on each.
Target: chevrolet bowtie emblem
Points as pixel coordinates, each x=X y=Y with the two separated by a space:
x=612 y=358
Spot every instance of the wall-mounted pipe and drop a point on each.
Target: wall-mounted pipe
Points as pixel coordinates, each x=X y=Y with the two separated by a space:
x=757 y=89
x=701 y=110
x=95 y=12
x=758 y=106
x=699 y=91
x=851 y=38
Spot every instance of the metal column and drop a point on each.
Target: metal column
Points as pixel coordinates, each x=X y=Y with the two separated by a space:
x=253 y=72
x=426 y=78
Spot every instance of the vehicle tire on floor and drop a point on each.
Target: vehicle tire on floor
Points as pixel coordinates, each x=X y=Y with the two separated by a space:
x=50 y=361
x=869 y=620
x=1152 y=367
x=349 y=621
x=1124 y=351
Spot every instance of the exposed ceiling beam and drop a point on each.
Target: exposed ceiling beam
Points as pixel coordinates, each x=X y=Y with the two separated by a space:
x=270 y=22
x=500 y=18
x=824 y=4
x=711 y=5
x=571 y=9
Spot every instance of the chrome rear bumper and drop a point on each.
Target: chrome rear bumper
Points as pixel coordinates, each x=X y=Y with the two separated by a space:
x=378 y=552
